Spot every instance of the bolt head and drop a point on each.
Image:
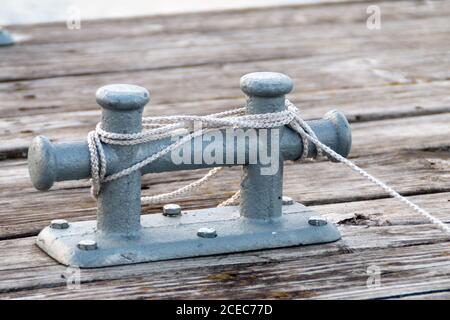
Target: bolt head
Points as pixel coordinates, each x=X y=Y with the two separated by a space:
x=207 y=233
x=317 y=221
x=59 y=224
x=171 y=210
x=287 y=201
x=87 y=245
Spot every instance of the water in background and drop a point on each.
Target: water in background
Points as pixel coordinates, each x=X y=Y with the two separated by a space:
x=35 y=11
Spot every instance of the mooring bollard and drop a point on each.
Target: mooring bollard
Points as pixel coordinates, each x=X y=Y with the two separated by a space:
x=5 y=38
x=122 y=236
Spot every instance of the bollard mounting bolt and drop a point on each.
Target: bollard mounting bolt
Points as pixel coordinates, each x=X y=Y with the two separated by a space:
x=87 y=245
x=171 y=210
x=317 y=221
x=59 y=224
x=287 y=201
x=207 y=233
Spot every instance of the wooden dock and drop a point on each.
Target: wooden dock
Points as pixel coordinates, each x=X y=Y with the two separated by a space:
x=393 y=84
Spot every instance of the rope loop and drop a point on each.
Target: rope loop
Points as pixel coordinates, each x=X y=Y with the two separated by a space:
x=161 y=127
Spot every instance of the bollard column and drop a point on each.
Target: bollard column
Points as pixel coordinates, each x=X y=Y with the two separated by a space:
x=119 y=201
x=261 y=194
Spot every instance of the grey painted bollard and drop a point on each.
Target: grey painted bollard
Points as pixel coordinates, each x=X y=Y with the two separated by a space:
x=120 y=235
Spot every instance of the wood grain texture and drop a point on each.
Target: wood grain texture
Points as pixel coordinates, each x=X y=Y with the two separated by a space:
x=410 y=49
x=413 y=172
x=306 y=28
x=359 y=105
x=407 y=255
x=393 y=85
x=210 y=21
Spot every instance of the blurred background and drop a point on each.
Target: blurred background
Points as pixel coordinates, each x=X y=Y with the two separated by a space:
x=36 y=11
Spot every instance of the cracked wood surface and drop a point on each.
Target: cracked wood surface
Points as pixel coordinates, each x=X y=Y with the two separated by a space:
x=393 y=84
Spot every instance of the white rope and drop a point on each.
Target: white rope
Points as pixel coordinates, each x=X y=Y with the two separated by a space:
x=160 y=127
x=232 y=201
x=174 y=194
x=432 y=219
x=166 y=127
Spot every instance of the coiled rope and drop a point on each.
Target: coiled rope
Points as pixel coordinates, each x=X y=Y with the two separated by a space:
x=161 y=127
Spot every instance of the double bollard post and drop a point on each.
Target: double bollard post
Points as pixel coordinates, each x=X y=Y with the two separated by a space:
x=122 y=236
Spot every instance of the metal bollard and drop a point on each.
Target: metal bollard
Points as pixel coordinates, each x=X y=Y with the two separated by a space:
x=5 y=38
x=119 y=203
x=261 y=195
x=122 y=236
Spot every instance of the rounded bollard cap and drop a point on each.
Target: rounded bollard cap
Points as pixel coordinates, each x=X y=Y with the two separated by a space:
x=266 y=84
x=343 y=132
x=122 y=97
x=41 y=163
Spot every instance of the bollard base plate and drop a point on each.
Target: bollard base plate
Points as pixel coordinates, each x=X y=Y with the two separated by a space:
x=165 y=238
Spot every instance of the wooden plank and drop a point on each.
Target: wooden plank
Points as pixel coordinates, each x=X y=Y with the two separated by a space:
x=410 y=173
x=359 y=105
x=432 y=132
x=167 y=24
x=395 y=93
x=321 y=272
x=193 y=84
x=393 y=226
x=103 y=55
x=309 y=74
x=47 y=96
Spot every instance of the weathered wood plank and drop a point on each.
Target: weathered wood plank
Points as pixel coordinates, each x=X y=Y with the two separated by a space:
x=411 y=173
x=50 y=60
x=359 y=105
x=306 y=273
x=168 y=24
x=386 y=222
x=378 y=224
x=193 y=84
x=46 y=96
x=191 y=64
